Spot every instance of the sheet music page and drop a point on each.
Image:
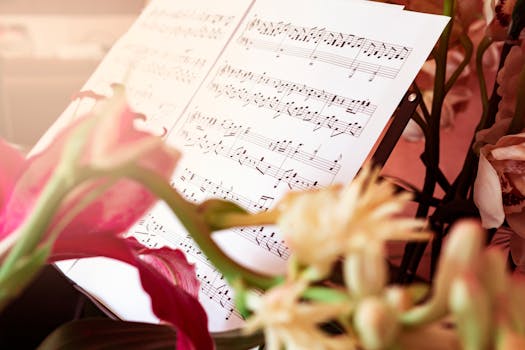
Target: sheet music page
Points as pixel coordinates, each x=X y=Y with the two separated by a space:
x=296 y=101
x=164 y=56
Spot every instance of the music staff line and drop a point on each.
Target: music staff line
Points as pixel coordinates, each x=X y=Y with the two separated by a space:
x=192 y=15
x=144 y=51
x=239 y=154
x=293 y=110
x=368 y=47
x=256 y=235
x=168 y=72
x=204 y=31
x=220 y=292
x=392 y=56
x=281 y=147
x=269 y=242
x=352 y=64
x=350 y=105
x=210 y=188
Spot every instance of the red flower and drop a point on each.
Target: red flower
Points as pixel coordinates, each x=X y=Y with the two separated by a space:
x=98 y=228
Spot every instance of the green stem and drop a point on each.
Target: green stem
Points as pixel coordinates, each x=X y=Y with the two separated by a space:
x=229 y=220
x=198 y=229
x=32 y=230
x=467 y=45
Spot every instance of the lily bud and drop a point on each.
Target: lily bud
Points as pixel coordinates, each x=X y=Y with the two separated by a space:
x=365 y=271
x=493 y=274
x=471 y=306
x=376 y=324
x=462 y=252
x=399 y=298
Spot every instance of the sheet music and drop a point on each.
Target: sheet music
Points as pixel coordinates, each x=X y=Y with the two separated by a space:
x=295 y=101
x=165 y=55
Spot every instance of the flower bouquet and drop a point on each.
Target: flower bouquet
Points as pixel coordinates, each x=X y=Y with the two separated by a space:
x=79 y=195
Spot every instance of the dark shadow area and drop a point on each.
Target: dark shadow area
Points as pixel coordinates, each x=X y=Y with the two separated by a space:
x=49 y=302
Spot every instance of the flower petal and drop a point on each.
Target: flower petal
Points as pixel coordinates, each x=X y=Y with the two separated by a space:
x=487 y=194
x=173 y=299
x=11 y=163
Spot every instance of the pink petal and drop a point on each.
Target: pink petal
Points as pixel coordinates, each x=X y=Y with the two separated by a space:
x=170 y=299
x=11 y=163
x=116 y=210
x=487 y=194
x=29 y=185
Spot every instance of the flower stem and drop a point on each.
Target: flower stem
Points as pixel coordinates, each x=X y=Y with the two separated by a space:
x=199 y=230
x=230 y=220
x=62 y=181
x=467 y=45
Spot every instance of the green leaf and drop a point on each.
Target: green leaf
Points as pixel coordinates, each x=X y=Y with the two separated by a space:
x=103 y=333
x=107 y=334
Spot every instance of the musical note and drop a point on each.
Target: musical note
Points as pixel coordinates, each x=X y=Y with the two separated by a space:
x=360 y=54
x=219 y=190
x=185 y=24
x=303 y=112
x=229 y=129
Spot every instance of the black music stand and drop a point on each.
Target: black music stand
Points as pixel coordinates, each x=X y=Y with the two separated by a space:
x=400 y=118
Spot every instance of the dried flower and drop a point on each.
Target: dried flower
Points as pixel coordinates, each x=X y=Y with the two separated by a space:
x=320 y=226
x=294 y=324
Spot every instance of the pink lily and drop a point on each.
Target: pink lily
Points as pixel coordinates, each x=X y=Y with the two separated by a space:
x=96 y=206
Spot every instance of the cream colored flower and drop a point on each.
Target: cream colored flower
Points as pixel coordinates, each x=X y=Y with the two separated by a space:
x=376 y=323
x=499 y=189
x=293 y=324
x=365 y=271
x=323 y=225
x=462 y=253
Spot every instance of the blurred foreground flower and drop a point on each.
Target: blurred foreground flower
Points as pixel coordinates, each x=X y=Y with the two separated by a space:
x=72 y=201
x=321 y=226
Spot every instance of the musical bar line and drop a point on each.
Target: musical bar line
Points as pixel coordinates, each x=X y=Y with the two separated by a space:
x=282 y=147
x=391 y=56
x=350 y=105
x=299 y=111
x=257 y=235
x=289 y=176
x=210 y=188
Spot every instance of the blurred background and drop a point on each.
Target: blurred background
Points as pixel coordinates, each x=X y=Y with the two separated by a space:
x=48 y=49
